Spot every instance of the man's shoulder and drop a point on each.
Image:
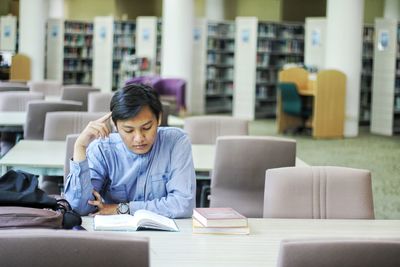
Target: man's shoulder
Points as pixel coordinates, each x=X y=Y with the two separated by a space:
x=110 y=142
x=171 y=134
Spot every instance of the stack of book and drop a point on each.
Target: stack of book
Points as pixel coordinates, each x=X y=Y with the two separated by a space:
x=219 y=221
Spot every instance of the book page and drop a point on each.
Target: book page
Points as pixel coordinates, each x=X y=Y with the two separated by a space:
x=121 y=222
x=151 y=220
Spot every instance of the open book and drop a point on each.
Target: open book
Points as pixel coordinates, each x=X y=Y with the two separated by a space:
x=143 y=219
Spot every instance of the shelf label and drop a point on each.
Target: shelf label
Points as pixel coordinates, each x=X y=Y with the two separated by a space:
x=316 y=37
x=103 y=32
x=196 y=34
x=146 y=34
x=383 y=40
x=245 y=35
x=7 y=31
x=54 y=31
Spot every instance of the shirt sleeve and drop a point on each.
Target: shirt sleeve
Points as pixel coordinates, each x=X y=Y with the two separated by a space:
x=85 y=176
x=181 y=187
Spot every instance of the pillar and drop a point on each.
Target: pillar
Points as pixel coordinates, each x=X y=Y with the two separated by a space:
x=215 y=10
x=32 y=30
x=343 y=52
x=391 y=9
x=177 y=43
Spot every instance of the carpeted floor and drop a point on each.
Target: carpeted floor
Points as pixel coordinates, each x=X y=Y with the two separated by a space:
x=379 y=154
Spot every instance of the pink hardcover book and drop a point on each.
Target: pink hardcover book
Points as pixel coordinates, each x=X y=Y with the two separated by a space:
x=219 y=217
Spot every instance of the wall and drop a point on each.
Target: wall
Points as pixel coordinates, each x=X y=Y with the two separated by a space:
x=373 y=9
x=267 y=10
x=135 y=8
x=294 y=10
x=88 y=9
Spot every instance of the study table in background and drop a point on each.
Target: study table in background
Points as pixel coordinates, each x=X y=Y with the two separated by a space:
x=48 y=157
x=260 y=248
x=328 y=92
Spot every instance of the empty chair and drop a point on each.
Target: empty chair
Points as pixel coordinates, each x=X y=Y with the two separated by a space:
x=64 y=248
x=339 y=252
x=238 y=175
x=78 y=93
x=69 y=152
x=36 y=115
x=318 y=193
x=148 y=80
x=173 y=92
x=62 y=123
x=293 y=103
x=17 y=101
x=13 y=86
x=99 y=101
x=57 y=126
x=14 y=101
x=47 y=87
x=206 y=129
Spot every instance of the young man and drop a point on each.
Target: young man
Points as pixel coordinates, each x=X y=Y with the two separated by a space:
x=143 y=166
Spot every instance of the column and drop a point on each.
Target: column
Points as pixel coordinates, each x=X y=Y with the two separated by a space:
x=343 y=52
x=391 y=9
x=32 y=30
x=56 y=9
x=177 y=43
x=215 y=10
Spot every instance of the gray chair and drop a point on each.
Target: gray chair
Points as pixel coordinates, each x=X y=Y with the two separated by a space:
x=62 y=248
x=99 y=101
x=61 y=123
x=69 y=152
x=47 y=87
x=13 y=86
x=206 y=129
x=17 y=101
x=318 y=193
x=14 y=101
x=78 y=93
x=238 y=175
x=36 y=115
x=339 y=252
x=57 y=126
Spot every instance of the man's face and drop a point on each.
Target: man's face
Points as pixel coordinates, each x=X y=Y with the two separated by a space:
x=139 y=133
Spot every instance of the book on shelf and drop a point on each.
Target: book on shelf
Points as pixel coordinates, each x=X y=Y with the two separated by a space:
x=198 y=228
x=142 y=220
x=219 y=217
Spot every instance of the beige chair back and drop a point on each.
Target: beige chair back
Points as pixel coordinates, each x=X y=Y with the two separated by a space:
x=206 y=129
x=339 y=252
x=66 y=248
x=17 y=101
x=239 y=170
x=78 y=93
x=47 y=87
x=69 y=152
x=59 y=124
x=99 y=101
x=36 y=115
x=318 y=193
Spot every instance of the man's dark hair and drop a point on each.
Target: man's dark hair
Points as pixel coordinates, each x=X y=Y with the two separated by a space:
x=129 y=100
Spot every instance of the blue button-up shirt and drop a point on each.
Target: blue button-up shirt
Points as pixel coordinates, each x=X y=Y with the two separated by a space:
x=162 y=180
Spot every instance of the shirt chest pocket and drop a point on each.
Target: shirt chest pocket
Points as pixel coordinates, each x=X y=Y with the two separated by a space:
x=118 y=194
x=159 y=185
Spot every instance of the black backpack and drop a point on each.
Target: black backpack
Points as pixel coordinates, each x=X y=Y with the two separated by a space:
x=20 y=189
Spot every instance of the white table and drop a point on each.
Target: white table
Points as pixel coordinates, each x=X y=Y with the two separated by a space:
x=48 y=157
x=37 y=157
x=12 y=121
x=260 y=248
x=175 y=121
